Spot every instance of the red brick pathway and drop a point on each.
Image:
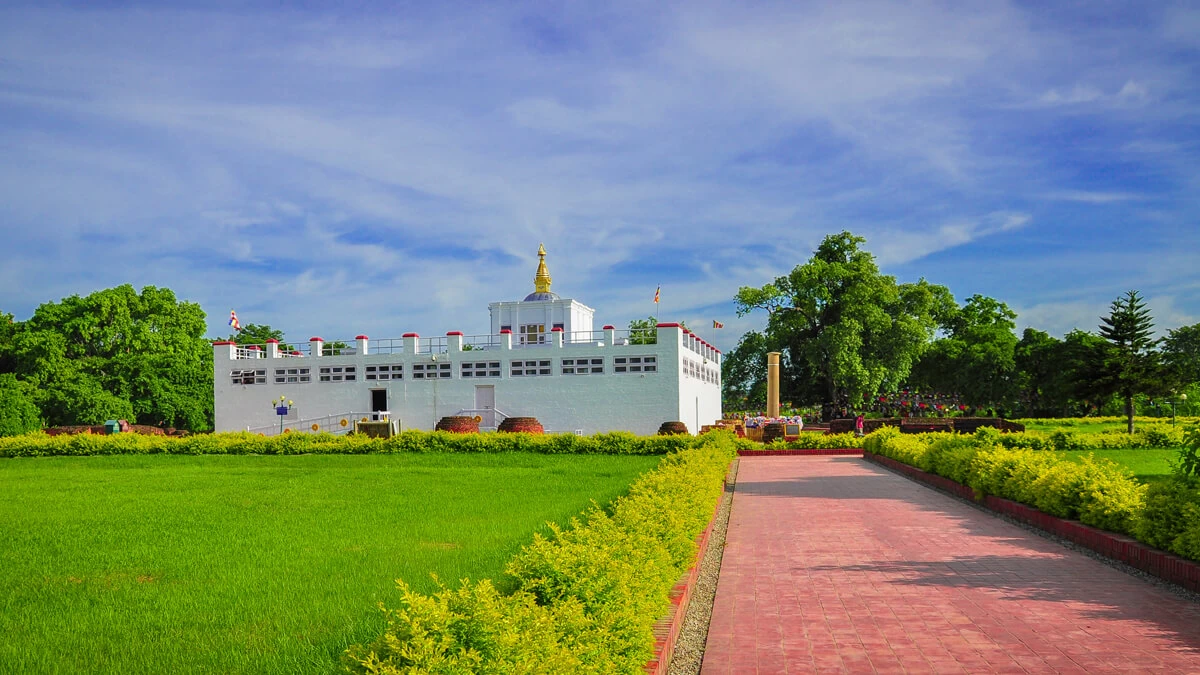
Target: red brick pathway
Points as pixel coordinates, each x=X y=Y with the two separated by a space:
x=835 y=565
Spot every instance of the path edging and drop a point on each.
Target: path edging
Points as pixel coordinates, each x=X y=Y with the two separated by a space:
x=1166 y=566
x=666 y=629
x=800 y=451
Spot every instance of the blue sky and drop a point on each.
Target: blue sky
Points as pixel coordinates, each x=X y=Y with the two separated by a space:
x=384 y=168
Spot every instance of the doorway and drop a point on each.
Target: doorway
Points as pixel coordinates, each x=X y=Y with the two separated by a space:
x=378 y=403
x=485 y=403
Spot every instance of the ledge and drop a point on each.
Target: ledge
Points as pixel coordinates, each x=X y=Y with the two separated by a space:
x=856 y=452
x=1165 y=566
x=666 y=630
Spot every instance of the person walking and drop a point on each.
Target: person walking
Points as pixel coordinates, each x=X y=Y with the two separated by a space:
x=858 y=425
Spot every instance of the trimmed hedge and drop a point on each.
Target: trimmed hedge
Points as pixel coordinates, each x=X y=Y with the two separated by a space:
x=242 y=443
x=586 y=598
x=813 y=441
x=1099 y=493
x=1074 y=421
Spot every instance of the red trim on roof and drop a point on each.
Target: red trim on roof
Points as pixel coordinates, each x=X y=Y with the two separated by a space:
x=667 y=325
x=223 y=343
x=556 y=329
x=272 y=341
x=316 y=339
x=408 y=335
x=361 y=337
x=255 y=348
x=454 y=332
x=505 y=331
x=609 y=328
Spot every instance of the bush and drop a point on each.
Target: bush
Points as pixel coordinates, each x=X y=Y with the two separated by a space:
x=1099 y=493
x=1164 y=519
x=586 y=598
x=243 y=443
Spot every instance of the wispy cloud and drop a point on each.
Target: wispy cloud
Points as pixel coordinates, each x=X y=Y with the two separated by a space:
x=342 y=170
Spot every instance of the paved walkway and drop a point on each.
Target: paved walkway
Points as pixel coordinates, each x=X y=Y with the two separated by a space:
x=835 y=565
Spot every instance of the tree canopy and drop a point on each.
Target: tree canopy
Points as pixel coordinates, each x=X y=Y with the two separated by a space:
x=845 y=329
x=115 y=354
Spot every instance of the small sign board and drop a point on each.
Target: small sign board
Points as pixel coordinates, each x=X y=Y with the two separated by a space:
x=281 y=410
x=792 y=429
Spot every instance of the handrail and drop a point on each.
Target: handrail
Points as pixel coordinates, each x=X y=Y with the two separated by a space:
x=328 y=423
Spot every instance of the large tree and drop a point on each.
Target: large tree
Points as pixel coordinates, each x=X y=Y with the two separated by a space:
x=846 y=329
x=976 y=356
x=1181 y=355
x=1130 y=364
x=118 y=354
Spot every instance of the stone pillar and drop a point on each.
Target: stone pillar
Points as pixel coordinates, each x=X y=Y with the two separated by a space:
x=363 y=344
x=454 y=341
x=272 y=348
x=505 y=340
x=410 y=343
x=772 y=384
x=556 y=335
x=316 y=345
x=610 y=336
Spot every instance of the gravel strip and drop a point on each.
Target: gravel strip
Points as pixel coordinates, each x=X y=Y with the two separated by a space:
x=1174 y=589
x=689 y=645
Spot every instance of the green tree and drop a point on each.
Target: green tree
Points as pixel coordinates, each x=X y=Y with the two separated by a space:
x=118 y=354
x=645 y=331
x=258 y=334
x=744 y=373
x=18 y=413
x=976 y=358
x=1130 y=364
x=1181 y=355
x=845 y=329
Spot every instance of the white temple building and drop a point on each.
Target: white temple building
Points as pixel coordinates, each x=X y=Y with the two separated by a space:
x=542 y=359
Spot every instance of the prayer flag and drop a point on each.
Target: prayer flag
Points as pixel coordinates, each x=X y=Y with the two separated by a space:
x=233 y=320
x=718 y=324
x=656 y=292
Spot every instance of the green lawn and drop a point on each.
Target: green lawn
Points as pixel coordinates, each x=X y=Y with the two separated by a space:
x=1148 y=465
x=276 y=564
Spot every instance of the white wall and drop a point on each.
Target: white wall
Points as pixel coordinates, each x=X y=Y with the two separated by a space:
x=637 y=402
x=573 y=315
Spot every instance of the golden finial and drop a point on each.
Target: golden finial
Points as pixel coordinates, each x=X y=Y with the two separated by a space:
x=541 y=280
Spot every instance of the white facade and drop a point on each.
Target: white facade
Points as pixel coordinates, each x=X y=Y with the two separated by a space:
x=568 y=376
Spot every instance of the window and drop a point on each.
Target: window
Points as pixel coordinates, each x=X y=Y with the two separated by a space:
x=635 y=364
x=476 y=369
x=337 y=374
x=249 y=376
x=430 y=371
x=583 y=366
x=533 y=334
x=292 y=375
x=391 y=372
x=530 y=368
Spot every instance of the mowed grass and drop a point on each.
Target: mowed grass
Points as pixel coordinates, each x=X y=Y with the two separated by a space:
x=1147 y=464
x=139 y=564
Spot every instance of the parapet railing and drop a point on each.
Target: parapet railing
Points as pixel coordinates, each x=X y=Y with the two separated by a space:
x=413 y=344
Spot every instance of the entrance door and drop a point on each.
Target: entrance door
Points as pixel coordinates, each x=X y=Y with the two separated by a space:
x=378 y=402
x=485 y=403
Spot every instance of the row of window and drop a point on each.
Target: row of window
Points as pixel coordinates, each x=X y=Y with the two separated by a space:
x=467 y=369
x=699 y=371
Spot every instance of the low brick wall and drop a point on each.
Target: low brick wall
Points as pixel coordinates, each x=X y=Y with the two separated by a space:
x=1161 y=564
x=666 y=630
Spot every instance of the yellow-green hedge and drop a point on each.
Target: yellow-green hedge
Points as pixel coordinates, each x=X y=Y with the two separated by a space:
x=614 y=443
x=1100 y=493
x=586 y=598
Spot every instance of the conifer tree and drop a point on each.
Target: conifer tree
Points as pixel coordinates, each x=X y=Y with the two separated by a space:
x=1131 y=363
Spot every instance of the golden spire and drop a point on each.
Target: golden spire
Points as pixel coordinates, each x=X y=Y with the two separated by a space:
x=541 y=280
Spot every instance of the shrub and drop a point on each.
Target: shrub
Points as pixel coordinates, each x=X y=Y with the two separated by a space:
x=1164 y=517
x=586 y=597
x=1189 y=454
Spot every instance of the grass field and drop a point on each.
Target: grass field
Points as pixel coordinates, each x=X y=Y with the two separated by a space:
x=255 y=564
x=1147 y=464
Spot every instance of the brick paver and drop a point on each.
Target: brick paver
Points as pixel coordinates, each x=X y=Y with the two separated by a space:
x=835 y=565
